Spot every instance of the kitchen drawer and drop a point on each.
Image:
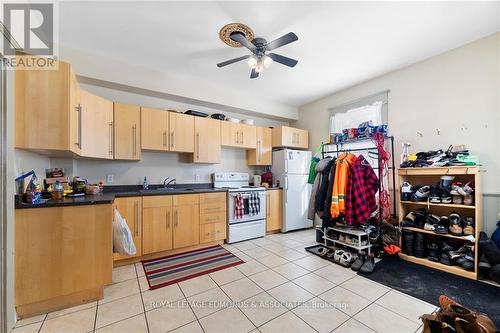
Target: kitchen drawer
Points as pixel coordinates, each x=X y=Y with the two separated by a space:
x=213 y=208
x=186 y=199
x=157 y=201
x=213 y=217
x=212 y=231
x=211 y=198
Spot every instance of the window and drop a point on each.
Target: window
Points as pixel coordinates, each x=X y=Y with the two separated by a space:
x=371 y=108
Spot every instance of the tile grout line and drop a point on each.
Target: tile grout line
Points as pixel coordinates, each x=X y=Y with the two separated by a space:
x=190 y=308
x=41 y=325
x=142 y=299
x=95 y=317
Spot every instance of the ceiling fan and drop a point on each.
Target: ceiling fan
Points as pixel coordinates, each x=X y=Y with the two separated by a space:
x=237 y=35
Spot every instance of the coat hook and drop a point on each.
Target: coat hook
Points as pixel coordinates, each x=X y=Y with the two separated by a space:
x=438 y=132
x=420 y=134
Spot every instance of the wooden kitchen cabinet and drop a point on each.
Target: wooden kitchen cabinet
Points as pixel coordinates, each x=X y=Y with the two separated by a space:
x=97 y=126
x=207 y=140
x=127 y=132
x=157 y=215
x=263 y=153
x=130 y=209
x=213 y=218
x=274 y=210
x=186 y=210
x=181 y=132
x=48 y=116
x=286 y=136
x=238 y=135
x=154 y=129
x=62 y=256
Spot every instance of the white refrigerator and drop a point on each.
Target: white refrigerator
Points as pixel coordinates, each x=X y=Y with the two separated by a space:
x=291 y=168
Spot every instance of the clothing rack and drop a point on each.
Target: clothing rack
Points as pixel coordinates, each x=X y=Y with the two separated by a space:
x=338 y=149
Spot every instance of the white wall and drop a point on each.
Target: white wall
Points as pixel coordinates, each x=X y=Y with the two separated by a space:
x=155 y=165
x=452 y=98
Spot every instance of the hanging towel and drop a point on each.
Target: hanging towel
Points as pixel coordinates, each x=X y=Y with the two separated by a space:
x=239 y=207
x=362 y=187
x=320 y=167
x=344 y=162
x=253 y=204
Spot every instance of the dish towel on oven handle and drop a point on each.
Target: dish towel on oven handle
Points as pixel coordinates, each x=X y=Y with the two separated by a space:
x=239 y=207
x=253 y=204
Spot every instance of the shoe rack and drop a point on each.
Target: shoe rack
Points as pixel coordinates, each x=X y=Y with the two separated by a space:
x=357 y=234
x=431 y=175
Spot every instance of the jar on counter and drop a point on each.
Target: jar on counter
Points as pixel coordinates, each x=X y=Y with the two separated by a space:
x=58 y=191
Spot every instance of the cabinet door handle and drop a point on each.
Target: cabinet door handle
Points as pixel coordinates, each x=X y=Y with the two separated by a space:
x=259 y=150
x=176 y=223
x=165 y=139
x=136 y=222
x=110 y=127
x=78 y=109
x=171 y=139
x=241 y=137
x=197 y=146
x=134 y=139
x=268 y=207
x=236 y=137
x=168 y=220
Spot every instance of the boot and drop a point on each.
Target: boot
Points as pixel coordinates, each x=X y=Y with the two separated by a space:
x=434 y=252
x=419 y=245
x=432 y=325
x=408 y=238
x=475 y=322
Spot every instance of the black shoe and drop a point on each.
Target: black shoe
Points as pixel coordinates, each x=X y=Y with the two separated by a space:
x=421 y=194
x=435 y=194
x=490 y=249
x=433 y=252
x=368 y=266
x=408 y=241
x=419 y=245
x=445 y=188
x=445 y=259
x=356 y=265
x=495 y=273
x=445 y=247
x=484 y=263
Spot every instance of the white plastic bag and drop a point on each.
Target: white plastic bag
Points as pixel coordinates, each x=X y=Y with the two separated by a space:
x=123 y=242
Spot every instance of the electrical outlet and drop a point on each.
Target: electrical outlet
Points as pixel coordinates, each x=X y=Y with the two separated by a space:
x=110 y=179
x=197 y=178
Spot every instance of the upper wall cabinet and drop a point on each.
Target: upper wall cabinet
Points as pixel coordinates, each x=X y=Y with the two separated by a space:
x=207 y=140
x=154 y=129
x=238 y=135
x=48 y=113
x=127 y=132
x=262 y=154
x=181 y=132
x=285 y=136
x=97 y=126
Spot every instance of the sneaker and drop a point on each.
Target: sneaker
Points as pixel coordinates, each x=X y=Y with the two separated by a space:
x=435 y=194
x=457 y=199
x=442 y=226
x=456 y=224
x=445 y=260
x=468 y=226
x=469 y=200
x=406 y=191
x=467 y=189
x=454 y=188
x=368 y=266
x=445 y=188
x=421 y=194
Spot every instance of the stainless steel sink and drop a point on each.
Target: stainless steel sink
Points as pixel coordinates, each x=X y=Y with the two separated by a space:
x=166 y=189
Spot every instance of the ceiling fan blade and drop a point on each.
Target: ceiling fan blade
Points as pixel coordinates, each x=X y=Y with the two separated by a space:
x=240 y=38
x=254 y=74
x=283 y=40
x=232 y=61
x=283 y=60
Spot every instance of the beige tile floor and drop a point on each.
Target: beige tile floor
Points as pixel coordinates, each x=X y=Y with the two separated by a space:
x=280 y=288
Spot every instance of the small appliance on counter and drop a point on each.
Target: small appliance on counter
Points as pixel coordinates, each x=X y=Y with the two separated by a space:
x=219 y=116
x=256 y=180
x=196 y=113
x=79 y=186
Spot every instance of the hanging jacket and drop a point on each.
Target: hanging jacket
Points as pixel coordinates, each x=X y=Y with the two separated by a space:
x=343 y=164
x=327 y=216
x=319 y=174
x=362 y=186
x=323 y=188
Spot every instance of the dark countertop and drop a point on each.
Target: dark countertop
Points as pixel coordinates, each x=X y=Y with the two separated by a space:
x=119 y=191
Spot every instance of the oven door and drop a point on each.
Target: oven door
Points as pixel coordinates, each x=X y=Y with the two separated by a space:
x=246 y=210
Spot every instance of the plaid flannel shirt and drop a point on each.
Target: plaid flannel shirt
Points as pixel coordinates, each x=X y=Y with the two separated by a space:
x=362 y=186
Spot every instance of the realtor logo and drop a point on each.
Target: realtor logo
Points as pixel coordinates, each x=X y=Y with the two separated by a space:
x=31 y=28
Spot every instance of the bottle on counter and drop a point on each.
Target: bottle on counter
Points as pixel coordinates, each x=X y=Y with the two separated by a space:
x=57 y=191
x=145 y=184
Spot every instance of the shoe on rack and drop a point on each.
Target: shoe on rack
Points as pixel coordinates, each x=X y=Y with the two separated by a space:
x=456 y=228
x=445 y=188
x=368 y=266
x=445 y=247
x=445 y=259
x=346 y=259
x=467 y=189
x=419 y=246
x=468 y=226
x=491 y=251
x=457 y=199
x=421 y=194
x=408 y=241
x=430 y=227
x=469 y=200
x=337 y=255
x=466 y=263
x=442 y=226
x=356 y=265
x=454 y=188
x=342 y=238
x=433 y=252
x=435 y=194
x=484 y=265
x=406 y=191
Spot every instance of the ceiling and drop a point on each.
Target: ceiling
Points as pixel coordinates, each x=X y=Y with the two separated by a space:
x=340 y=43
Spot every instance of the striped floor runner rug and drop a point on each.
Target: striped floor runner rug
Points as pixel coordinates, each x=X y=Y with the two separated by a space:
x=171 y=269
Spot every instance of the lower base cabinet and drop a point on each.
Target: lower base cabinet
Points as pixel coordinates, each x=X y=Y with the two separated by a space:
x=186 y=220
x=63 y=256
x=157 y=225
x=131 y=210
x=274 y=210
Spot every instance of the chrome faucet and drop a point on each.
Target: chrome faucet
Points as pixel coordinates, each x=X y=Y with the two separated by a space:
x=166 y=182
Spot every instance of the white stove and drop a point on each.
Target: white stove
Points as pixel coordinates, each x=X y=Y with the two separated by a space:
x=251 y=223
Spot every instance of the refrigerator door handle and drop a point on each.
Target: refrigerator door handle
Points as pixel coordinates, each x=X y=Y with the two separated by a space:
x=286 y=188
